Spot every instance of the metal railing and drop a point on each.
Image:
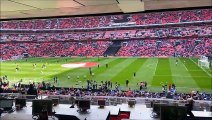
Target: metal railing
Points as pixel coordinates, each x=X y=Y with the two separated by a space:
x=199 y=105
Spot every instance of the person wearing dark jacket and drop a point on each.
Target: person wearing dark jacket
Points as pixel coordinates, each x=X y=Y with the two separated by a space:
x=32 y=90
x=189 y=106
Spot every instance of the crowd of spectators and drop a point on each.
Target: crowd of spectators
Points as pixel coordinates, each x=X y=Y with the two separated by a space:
x=91 y=48
x=184 y=41
x=43 y=88
x=52 y=49
x=134 y=48
x=166 y=48
x=156 y=32
x=184 y=47
x=106 y=21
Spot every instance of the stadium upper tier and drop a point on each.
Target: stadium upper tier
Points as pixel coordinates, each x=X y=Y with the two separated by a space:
x=136 y=19
x=201 y=30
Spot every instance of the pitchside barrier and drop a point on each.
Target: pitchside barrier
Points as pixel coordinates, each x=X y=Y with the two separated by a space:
x=199 y=105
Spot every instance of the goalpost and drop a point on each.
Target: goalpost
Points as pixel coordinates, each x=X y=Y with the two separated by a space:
x=203 y=62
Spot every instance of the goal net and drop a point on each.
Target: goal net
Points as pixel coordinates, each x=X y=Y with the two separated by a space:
x=203 y=62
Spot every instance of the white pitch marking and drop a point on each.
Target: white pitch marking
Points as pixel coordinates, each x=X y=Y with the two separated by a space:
x=184 y=66
x=201 y=68
x=73 y=65
x=156 y=67
x=181 y=76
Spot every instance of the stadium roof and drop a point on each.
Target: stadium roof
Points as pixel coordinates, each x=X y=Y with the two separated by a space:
x=11 y=9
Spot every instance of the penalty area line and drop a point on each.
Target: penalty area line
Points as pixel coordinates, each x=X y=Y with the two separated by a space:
x=201 y=68
x=184 y=66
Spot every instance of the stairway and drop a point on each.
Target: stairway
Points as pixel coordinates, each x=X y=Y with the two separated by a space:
x=113 y=48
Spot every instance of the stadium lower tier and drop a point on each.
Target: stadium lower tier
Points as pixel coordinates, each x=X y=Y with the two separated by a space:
x=143 y=48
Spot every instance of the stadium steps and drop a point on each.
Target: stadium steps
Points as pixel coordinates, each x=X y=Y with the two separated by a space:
x=113 y=49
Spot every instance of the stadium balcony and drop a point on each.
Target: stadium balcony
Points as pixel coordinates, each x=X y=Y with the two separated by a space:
x=147 y=33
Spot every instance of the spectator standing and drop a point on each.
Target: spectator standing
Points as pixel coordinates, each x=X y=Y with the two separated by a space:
x=189 y=106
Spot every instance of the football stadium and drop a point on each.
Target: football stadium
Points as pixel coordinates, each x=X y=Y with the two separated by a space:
x=106 y=60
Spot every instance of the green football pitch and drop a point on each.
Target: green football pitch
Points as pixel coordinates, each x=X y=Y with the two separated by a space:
x=186 y=75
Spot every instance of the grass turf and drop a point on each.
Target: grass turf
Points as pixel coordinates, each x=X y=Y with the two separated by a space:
x=156 y=71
